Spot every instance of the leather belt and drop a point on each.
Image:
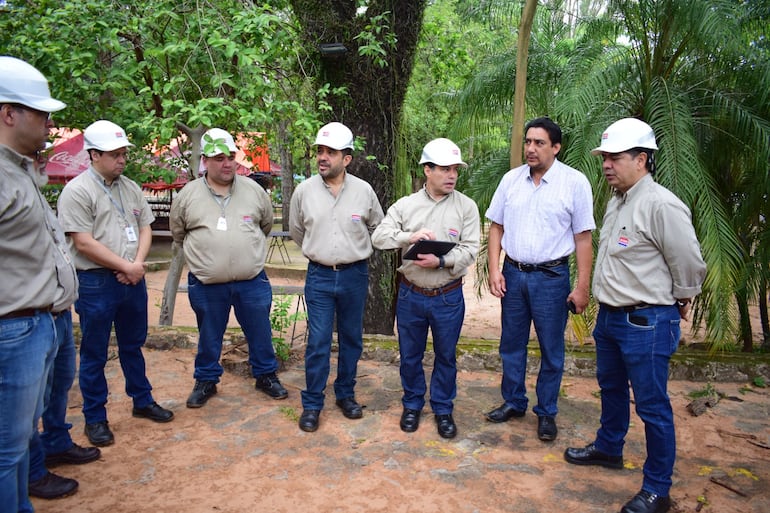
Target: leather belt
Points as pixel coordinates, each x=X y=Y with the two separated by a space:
x=432 y=292
x=624 y=309
x=337 y=267
x=528 y=268
x=27 y=312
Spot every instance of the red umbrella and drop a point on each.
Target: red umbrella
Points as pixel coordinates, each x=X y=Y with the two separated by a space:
x=67 y=159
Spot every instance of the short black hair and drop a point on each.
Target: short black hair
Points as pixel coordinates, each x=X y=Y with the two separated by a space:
x=547 y=124
x=650 y=164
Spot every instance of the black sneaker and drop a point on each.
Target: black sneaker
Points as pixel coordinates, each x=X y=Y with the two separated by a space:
x=201 y=392
x=51 y=486
x=269 y=384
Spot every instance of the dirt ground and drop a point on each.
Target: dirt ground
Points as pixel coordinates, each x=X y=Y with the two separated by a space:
x=244 y=452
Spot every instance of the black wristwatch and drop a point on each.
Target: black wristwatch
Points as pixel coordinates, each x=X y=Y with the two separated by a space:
x=441 y=262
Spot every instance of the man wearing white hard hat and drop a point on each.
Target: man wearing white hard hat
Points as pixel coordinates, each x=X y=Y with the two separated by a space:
x=648 y=269
x=430 y=294
x=222 y=221
x=332 y=216
x=540 y=214
x=29 y=286
x=107 y=222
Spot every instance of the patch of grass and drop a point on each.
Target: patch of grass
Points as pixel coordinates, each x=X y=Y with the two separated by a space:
x=290 y=413
x=706 y=391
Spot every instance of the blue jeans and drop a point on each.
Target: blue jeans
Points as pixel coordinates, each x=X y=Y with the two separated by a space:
x=27 y=346
x=56 y=431
x=329 y=293
x=251 y=300
x=539 y=297
x=444 y=315
x=104 y=301
x=636 y=347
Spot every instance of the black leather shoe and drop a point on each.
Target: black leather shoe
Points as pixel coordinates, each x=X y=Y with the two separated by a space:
x=51 y=486
x=308 y=421
x=201 y=392
x=590 y=455
x=269 y=384
x=503 y=413
x=446 y=426
x=75 y=455
x=546 y=428
x=350 y=408
x=410 y=420
x=154 y=412
x=99 y=433
x=646 y=502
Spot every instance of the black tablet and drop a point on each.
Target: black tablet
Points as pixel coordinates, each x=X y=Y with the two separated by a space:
x=423 y=247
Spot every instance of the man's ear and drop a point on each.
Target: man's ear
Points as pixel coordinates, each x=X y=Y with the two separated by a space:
x=644 y=156
x=557 y=147
x=347 y=159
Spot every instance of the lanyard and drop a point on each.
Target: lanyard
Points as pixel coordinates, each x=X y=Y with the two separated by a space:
x=108 y=190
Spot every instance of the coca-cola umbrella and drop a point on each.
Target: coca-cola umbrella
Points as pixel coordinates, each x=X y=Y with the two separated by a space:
x=67 y=159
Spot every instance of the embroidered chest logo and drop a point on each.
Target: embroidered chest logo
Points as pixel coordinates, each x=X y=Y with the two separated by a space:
x=356 y=218
x=453 y=232
x=623 y=241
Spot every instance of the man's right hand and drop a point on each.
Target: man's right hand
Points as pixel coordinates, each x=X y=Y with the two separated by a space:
x=131 y=274
x=496 y=283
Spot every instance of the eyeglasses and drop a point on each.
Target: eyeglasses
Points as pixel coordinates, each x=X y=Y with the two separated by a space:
x=39 y=113
x=116 y=154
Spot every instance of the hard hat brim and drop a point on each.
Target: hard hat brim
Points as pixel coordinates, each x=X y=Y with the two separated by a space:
x=45 y=105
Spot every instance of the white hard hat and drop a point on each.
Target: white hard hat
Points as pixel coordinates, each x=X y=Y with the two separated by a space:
x=335 y=136
x=22 y=83
x=104 y=135
x=442 y=152
x=217 y=135
x=626 y=134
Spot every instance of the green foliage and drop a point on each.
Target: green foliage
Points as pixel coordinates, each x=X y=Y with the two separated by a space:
x=377 y=41
x=280 y=321
x=759 y=381
x=51 y=193
x=289 y=412
x=160 y=67
x=706 y=391
x=699 y=73
x=211 y=145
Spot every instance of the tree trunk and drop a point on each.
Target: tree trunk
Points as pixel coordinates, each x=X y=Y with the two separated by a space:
x=744 y=320
x=763 y=314
x=172 y=286
x=372 y=109
x=287 y=174
x=520 y=92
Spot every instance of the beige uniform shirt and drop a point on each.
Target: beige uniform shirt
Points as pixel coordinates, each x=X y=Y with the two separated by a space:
x=27 y=250
x=88 y=205
x=648 y=251
x=453 y=218
x=67 y=277
x=334 y=230
x=218 y=252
